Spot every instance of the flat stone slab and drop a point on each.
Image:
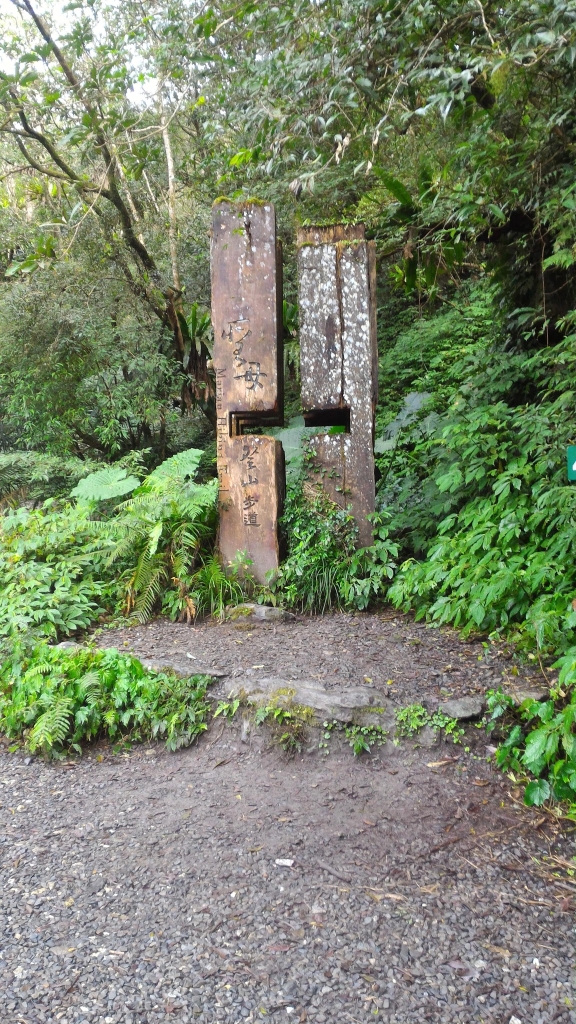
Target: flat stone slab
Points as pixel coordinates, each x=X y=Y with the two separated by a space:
x=182 y=666
x=462 y=708
x=342 y=705
x=521 y=693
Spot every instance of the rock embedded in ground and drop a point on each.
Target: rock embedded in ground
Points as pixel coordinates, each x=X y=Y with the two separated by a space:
x=398 y=656
x=521 y=693
x=249 y=610
x=340 y=704
x=462 y=708
x=182 y=666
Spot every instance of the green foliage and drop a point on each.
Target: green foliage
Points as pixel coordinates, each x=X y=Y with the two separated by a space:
x=52 y=572
x=227 y=708
x=475 y=482
x=104 y=484
x=61 y=567
x=32 y=477
x=57 y=700
x=288 y=724
x=361 y=738
x=411 y=719
x=163 y=532
x=540 y=737
x=323 y=567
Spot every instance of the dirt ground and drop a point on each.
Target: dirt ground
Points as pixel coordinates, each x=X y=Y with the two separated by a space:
x=228 y=882
x=409 y=661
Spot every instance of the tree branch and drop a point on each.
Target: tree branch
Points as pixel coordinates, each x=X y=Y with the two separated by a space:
x=111 y=193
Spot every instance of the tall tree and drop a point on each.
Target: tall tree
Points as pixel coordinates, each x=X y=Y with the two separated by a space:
x=69 y=112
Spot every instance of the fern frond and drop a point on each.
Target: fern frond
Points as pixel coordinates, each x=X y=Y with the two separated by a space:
x=51 y=728
x=90 y=687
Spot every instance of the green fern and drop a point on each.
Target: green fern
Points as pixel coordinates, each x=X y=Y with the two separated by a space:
x=51 y=728
x=90 y=693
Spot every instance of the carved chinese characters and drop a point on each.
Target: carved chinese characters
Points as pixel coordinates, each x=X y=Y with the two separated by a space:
x=339 y=361
x=247 y=320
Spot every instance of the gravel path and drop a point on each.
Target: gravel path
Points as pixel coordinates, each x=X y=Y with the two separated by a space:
x=146 y=888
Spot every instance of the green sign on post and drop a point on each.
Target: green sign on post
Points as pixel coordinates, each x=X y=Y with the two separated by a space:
x=571 y=455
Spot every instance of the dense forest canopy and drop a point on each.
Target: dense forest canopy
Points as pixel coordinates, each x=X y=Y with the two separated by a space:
x=447 y=128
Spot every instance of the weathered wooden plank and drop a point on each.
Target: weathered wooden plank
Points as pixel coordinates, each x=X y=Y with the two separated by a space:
x=251 y=473
x=246 y=266
x=339 y=362
x=247 y=310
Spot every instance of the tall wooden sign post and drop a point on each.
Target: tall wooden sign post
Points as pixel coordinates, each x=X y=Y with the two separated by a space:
x=339 y=362
x=246 y=263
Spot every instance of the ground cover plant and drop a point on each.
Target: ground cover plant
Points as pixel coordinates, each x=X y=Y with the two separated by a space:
x=475 y=487
x=56 y=700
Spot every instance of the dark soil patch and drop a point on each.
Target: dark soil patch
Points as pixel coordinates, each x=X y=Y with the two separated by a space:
x=410 y=661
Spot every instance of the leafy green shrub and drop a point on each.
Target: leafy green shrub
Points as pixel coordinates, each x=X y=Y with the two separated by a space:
x=63 y=565
x=105 y=484
x=411 y=719
x=58 y=699
x=52 y=572
x=324 y=568
x=164 y=532
x=540 y=738
x=34 y=476
x=361 y=738
x=475 y=486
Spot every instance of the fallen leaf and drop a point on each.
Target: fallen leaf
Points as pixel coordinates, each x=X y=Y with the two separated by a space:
x=254 y=849
x=371 y=823
x=367 y=679
x=376 y=896
x=498 y=949
x=440 y=764
x=481 y=782
x=238 y=796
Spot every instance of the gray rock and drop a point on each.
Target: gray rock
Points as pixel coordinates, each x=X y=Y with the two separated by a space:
x=521 y=693
x=428 y=737
x=342 y=705
x=258 y=612
x=463 y=707
x=182 y=666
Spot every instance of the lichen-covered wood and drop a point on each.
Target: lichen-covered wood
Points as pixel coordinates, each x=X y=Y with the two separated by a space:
x=339 y=362
x=246 y=266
